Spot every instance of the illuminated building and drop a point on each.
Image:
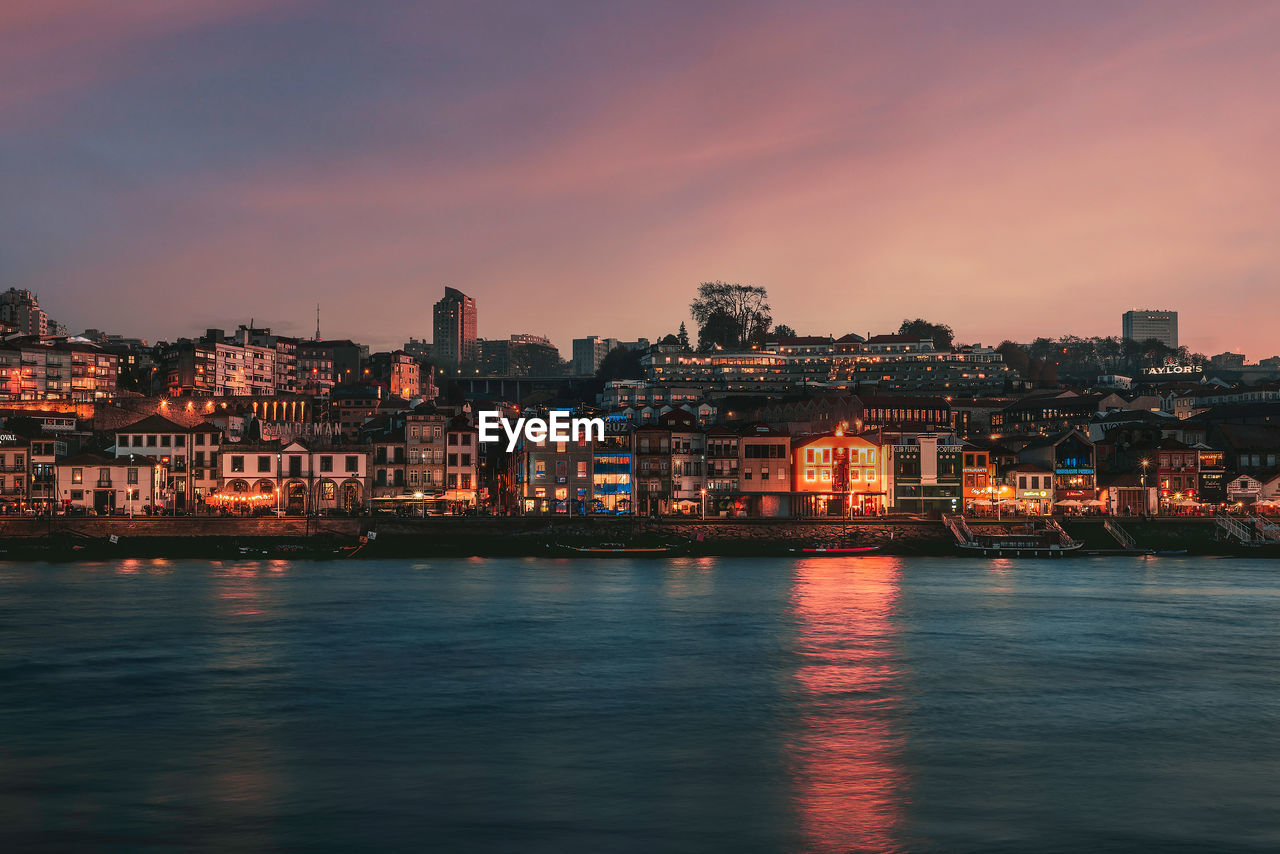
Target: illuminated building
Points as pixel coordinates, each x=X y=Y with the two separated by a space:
x=927 y=472
x=840 y=474
x=1071 y=457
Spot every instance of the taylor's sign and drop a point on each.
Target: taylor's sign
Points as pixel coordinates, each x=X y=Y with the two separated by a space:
x=1172 y=370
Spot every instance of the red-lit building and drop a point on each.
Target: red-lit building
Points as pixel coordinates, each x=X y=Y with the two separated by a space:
x=838 y=474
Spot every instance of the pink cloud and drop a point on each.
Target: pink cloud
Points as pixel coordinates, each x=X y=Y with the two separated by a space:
x=1012 y=183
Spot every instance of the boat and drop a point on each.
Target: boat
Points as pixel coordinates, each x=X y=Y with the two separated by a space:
x=1016 y=545
x=1047 y=540
x=834 y=550
x=622 y=550
x=297 y=551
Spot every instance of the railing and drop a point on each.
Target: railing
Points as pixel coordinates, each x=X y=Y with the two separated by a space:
x=1266 y=528
x=1121 y=536
x=1233 y=527
x=959 y=527
x=1063 y=537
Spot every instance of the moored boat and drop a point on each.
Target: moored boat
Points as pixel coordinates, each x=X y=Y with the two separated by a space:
x=1016 y=546
x=834 y=550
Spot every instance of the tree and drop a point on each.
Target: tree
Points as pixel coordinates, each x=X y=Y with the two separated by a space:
x=621 y=363
x=682 y=338
x=784 y=331
x=940 y=333
x=1015 y=357
x=746 y=306
x=671 y=340
x=719 y=330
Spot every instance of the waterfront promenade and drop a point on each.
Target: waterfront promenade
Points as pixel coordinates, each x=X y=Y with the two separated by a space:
x=532 y=535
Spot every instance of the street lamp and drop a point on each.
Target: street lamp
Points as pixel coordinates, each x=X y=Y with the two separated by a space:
x=704 y=503
x=1145 y=463
x=279 y=463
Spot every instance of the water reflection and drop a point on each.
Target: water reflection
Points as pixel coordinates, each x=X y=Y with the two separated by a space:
x=850 y=783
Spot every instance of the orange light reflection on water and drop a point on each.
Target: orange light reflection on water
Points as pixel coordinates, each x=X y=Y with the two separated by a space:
x=850 y=783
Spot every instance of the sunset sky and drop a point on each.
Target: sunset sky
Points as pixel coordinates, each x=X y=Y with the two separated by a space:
x=1013 y=169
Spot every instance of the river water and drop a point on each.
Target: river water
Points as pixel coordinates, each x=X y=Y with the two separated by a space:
x=862 y=704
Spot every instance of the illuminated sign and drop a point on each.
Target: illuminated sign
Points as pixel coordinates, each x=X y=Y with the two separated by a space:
x=1173 y=370
x=1035 y=493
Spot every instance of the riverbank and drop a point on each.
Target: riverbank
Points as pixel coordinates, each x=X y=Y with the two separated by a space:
x=78 y=537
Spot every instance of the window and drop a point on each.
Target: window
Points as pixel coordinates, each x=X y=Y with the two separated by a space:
x=582 y=468
x=466 y=439
x=137 y=441
x=540 y=469
x=326 y=464
x=328 y=490
x=453 y=439
x=165 y=441
x=237 y=463
x=453 y=459
x=810 y=475
x=466 y=459
x=1022 y=481
x=77 y=475
x=764 y=473
x=353 y=464
x=151 y=441
x=132 y=477
x=179 y=441
x=466 y=484
x=746 y=474
x=264 y=464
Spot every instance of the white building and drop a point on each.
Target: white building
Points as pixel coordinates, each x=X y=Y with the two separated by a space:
x=291 y=478
x=96 y=483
